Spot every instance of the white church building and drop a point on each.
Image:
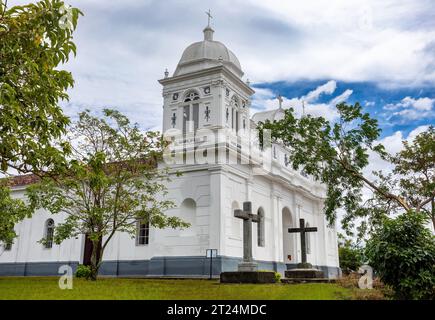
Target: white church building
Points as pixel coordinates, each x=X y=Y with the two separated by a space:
x=204 y=97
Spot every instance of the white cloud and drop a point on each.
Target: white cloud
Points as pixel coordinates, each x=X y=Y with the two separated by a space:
x=413 y=114
x=341 y=98
x=412 y=109
x=424 y=104
x=327 y=88
x=266 y=100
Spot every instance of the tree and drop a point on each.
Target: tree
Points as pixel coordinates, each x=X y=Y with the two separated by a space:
x=35 y=40
x=415 y=168
x=111 y=183
x=402 y=251
x=350 y=255
x=12 y=211
x=336 y=153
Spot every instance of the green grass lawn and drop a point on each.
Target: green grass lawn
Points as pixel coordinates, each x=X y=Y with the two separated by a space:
x=115 y=288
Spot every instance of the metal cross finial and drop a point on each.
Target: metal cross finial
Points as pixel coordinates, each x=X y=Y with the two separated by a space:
x=208 y=13
x=280 y=100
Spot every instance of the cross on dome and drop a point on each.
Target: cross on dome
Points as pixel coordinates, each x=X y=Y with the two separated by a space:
x=208 y=13
x=280 y=100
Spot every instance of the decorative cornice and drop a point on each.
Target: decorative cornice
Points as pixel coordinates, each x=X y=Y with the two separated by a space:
x=204 y=72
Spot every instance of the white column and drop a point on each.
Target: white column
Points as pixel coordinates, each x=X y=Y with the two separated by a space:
x=216 y=216
x=277 y=226
x=325 y=236
x=297 y=238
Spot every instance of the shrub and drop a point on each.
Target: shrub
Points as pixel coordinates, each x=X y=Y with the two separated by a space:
x=350 y=255
x=402 y=252
x=83 y=271
x=277 y=277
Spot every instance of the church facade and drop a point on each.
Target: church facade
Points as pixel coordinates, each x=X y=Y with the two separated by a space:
x=206 y=114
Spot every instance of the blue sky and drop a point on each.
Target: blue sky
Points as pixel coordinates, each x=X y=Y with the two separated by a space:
x=385 y=104
x=380 y=53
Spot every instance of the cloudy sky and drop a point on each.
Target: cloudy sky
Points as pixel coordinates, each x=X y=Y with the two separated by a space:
x=380 y=53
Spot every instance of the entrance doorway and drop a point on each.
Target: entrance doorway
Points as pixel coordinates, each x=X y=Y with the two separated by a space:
x=287 y=238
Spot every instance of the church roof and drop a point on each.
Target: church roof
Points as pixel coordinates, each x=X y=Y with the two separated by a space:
x=271 y=115
x=206 y=54
x=22 y=180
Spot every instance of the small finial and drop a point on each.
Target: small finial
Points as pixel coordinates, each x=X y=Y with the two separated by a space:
x=248 y=82
x=280 y=100
x=166 y=73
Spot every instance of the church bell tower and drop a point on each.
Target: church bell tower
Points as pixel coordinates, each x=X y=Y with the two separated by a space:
x=206 y=91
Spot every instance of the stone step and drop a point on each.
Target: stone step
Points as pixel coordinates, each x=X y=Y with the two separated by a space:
x=304 y=273
x=248 y=277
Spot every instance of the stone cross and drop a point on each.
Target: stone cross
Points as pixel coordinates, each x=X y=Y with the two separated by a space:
x=302 y=229
x=248 y=217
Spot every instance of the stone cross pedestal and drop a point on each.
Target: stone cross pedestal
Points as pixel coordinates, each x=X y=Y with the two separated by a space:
x=304 y=271
x=247 y=270
x=248 y=217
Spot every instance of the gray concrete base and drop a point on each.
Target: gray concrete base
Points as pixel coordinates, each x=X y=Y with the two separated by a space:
x=179 y=266
x=247 y=267
x=330 y=272
x=307 y=280
x=34 y=268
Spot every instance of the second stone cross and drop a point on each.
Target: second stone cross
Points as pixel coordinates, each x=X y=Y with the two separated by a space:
x=248 y=217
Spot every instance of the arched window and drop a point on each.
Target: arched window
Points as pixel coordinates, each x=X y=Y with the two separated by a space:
x=191 y=96
x=188 y=214
x=260 y=227
x=308 y=239
x=49 y=233
x=190 y=112
x=289 y=239
x=143 y=233
x=235 y=113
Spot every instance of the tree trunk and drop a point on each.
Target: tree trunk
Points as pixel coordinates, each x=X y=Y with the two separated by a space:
x=95 y=259
x=433 y=213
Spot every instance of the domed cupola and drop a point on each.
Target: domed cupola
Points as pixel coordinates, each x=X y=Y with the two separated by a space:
x=207 y=54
